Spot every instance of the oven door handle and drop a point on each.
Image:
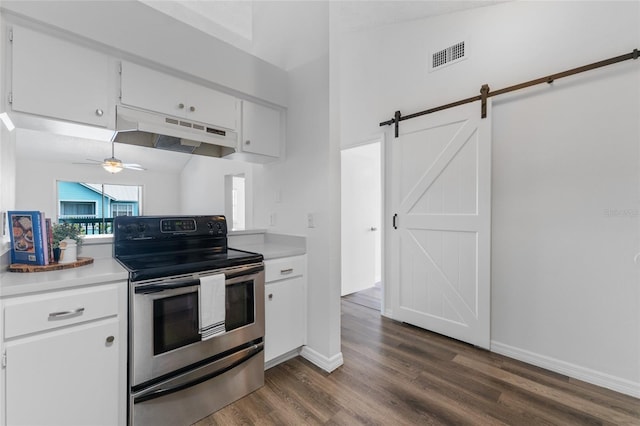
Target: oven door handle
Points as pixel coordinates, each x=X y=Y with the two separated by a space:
x=199 y=375
x=157 y=288
x=242 y=271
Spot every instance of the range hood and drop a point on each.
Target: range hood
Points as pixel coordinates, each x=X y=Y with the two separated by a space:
x=154 y=130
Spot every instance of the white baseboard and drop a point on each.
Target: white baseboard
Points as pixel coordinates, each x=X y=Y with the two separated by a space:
x=327 y=364
x=598 y=378
x=282 y=358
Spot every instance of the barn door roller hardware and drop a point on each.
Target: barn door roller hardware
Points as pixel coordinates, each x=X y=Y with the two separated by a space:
x=485 y=93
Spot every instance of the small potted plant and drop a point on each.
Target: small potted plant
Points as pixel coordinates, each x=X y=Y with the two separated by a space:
x=61 y=231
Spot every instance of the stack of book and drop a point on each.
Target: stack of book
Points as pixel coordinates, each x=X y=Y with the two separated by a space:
x=31 y=238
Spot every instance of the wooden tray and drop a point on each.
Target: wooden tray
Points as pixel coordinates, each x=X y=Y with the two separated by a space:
x=19 y=267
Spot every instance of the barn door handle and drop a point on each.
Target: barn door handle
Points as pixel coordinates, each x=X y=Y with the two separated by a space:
x=395 y=216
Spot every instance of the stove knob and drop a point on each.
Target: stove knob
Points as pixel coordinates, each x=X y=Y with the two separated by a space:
x=141 y=227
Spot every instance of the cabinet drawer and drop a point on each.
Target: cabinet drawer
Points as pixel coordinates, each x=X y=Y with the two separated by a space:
x=30 y=314
x=287 y=267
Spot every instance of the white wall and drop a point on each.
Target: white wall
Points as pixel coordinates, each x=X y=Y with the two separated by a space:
x=307 y=183
x=287 y=193
x=202 y=184
x=565 y=226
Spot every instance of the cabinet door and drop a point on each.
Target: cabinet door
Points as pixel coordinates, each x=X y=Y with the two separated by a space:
x=56 y=78
x=284 y=317
x=145 y=88
x=152 y=90
x=260 y=129
x=67 y=377
x=210 y=106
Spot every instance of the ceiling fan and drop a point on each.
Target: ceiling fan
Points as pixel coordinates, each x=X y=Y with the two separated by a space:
x=114 y=165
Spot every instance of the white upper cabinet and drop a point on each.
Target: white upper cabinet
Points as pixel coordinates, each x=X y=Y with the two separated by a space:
x=152 y=90
x=55 y=78
x=260 y=130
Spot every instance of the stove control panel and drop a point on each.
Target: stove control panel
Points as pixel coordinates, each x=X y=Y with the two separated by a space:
x=154 y=227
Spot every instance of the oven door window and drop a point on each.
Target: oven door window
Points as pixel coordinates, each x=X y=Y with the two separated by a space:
x=175 y=322
x=240 y=305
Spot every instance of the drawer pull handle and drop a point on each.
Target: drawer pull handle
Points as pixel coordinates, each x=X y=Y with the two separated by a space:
x=110 y=339
x=286 y=271
x=62 y=314
x=271 y=296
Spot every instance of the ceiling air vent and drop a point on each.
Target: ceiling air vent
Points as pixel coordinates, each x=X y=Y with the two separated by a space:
x=447 y=56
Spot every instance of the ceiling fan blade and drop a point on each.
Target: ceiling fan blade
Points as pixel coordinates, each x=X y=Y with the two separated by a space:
x=133 y=166
x=95 y=161
x=98 y=163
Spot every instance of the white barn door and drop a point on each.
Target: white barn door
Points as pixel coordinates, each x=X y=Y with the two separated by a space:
x=441 y=247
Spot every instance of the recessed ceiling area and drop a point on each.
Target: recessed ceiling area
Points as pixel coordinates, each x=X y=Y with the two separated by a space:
x=286 y=33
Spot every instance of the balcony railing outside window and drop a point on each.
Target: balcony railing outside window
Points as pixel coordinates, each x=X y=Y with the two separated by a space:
x=91 y=225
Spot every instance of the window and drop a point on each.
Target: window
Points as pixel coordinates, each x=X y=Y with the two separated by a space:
x=77 y=208
x=94 y=205
x=121 y=209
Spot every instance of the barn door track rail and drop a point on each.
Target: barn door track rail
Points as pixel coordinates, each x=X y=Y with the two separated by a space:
x=486 y=93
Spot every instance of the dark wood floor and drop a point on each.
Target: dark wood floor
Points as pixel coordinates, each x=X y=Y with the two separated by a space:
x=396 y=374
x=369 y=297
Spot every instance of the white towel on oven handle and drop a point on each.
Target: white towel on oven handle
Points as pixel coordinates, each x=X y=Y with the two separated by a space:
x=212 y=308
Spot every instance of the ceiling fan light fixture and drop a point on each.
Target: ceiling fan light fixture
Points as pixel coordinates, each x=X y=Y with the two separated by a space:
x=112 y=165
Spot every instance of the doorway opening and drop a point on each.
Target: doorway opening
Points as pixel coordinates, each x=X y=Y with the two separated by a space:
x=361 y=235
x=235 y=201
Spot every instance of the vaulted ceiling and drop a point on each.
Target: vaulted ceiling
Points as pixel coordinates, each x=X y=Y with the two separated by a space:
x=285 y=33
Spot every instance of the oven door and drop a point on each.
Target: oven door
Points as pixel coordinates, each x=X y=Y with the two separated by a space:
x=164 y=321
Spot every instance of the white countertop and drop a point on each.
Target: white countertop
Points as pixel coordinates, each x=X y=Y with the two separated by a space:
x=106 y=269
x=271 y=246
x=271 y=250
x=102 y=270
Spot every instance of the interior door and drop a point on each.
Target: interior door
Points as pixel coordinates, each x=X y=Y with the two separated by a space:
x=441 y=241
x=361 y=194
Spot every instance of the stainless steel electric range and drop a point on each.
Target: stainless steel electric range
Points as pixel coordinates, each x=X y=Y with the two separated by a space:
x=196 y=317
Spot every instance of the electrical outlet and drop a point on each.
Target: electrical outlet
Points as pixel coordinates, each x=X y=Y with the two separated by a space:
x=272 y=219
x=311 y=220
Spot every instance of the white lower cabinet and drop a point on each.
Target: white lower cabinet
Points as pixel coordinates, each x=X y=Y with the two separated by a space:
x=65 y=364
x=65 y=377
x=285 y=308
